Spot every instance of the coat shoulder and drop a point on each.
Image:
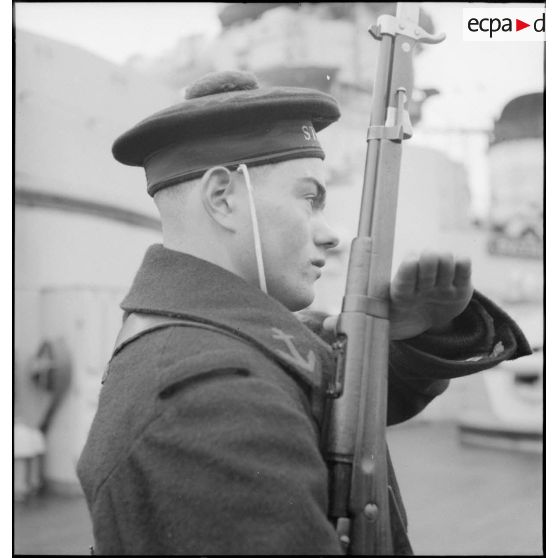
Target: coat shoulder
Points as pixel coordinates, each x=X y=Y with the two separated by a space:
x=193 y=354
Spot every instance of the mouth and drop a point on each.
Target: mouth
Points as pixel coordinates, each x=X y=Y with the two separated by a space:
x=318 y=264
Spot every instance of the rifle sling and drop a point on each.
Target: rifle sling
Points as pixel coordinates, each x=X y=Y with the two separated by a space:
x=137 y=325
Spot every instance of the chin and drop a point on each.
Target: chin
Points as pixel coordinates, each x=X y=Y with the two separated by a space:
x=294 y=295
x=297 y=302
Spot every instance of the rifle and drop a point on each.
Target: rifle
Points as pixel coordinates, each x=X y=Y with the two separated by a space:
x=355 y=444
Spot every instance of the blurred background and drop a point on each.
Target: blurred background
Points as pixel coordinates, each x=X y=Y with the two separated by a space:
x=472 y=182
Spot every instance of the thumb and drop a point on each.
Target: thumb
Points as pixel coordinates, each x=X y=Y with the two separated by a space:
x=330 y=324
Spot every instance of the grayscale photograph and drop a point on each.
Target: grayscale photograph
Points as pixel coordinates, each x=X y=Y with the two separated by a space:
x=279 y=278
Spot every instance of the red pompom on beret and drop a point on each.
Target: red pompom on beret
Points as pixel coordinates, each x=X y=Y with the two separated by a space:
x=226 y=119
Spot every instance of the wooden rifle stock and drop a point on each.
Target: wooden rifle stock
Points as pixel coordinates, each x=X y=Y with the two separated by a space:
x=355 y=443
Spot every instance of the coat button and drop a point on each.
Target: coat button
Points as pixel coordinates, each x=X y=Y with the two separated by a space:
x=371 y=512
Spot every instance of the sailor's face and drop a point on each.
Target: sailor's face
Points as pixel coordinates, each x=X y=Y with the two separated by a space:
x=290 y=199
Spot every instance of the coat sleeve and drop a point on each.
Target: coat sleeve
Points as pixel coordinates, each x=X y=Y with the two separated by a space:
x=421 y=367
x=233 y=467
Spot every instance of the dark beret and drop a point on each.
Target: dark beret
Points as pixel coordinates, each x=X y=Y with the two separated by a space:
x=226 y=119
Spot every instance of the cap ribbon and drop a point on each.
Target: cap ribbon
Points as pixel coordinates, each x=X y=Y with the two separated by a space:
x=254 y=145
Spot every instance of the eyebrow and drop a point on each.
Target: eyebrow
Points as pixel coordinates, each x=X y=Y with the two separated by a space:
x=321 y=196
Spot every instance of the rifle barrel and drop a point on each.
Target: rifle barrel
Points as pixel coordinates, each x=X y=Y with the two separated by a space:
x=355 y=439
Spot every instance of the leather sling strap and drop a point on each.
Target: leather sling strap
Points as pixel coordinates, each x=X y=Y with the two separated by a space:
x=136 y=325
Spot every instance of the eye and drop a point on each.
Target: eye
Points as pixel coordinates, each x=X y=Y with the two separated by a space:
x=312 y=199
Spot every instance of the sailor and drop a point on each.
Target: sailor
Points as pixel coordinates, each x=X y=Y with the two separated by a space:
x=206 y=437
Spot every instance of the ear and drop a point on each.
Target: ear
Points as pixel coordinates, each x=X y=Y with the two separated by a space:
x=217 y=189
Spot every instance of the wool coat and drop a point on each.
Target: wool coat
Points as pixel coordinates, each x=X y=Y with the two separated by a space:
x=209 y=443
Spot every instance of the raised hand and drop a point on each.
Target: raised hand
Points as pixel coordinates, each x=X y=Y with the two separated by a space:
x=427 y=293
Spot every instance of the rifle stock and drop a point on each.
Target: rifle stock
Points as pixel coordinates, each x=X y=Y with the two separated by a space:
x=355 y=443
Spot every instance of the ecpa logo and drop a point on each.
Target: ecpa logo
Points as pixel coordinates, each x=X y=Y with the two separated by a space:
x=504 y=24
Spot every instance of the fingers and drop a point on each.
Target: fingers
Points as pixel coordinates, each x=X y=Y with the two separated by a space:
x=446 y=271
x=431 y=270
x=428 y=271
x=463 y=269
x=404 y=283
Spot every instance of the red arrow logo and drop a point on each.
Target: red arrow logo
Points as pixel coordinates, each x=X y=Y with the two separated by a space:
x=519 y=25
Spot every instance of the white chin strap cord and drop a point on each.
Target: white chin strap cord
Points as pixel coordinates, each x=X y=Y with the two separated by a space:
x=255 y=230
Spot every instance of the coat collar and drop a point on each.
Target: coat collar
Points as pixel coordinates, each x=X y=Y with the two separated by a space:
x=177 y=284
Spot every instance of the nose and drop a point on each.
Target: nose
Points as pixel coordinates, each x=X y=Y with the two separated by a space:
x=324 y=236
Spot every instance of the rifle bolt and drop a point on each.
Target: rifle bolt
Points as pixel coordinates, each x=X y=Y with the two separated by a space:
x=371 y=512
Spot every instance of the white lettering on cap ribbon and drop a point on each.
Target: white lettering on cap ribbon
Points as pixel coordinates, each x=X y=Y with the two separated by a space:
x=309 y=132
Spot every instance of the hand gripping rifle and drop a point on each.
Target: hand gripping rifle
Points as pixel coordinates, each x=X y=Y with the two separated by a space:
x=355 y=444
